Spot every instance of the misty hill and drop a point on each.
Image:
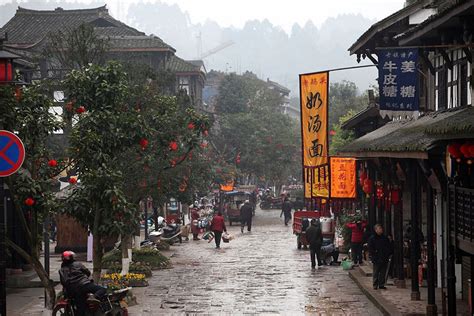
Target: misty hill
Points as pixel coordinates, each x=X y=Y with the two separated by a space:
x=260 y=47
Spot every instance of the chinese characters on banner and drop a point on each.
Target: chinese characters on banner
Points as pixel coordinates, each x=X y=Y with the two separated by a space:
x=343 y=178
x=314 y=118
x=398 y=79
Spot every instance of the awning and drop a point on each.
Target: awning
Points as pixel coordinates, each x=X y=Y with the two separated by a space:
x=413 y=138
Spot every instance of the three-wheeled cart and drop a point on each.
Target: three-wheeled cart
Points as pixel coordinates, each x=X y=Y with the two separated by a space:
x=232 y=202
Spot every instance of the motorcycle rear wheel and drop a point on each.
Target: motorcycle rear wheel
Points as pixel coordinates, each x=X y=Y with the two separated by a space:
x=63 y=311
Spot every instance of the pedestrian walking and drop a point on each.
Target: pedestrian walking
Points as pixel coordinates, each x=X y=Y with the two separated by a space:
x=286 y=210
x=314 y=236
x=357 y=235
x=246 y=216
x=217 y=227
x=194 y=223
x=380 y=250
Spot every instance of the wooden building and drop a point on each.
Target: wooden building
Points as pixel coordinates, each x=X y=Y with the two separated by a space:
x=421 y=163
x=28 y=32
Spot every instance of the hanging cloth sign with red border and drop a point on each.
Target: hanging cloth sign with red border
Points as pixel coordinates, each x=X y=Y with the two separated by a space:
x=12 y=153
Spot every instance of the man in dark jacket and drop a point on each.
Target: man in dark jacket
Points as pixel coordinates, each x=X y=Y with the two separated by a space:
x=286 y=209
x=75 y=278
x=314 y=236
x=246 y=216
x=380 y=250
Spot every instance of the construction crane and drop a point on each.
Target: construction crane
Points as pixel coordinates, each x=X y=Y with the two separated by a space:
x=216 y=49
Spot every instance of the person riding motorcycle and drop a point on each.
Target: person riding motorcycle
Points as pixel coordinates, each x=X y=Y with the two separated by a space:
x=77 y=283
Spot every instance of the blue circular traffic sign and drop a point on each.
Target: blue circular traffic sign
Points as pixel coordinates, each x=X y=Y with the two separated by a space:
x=12 y=153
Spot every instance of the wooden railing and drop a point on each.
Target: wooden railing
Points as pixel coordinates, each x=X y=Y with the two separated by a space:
x=461 y=210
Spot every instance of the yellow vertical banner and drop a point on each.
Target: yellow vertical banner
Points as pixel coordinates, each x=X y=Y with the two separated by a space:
x=314 y=133
x=343 y=178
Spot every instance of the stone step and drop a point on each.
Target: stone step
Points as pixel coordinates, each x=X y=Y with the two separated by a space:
x=366 y=269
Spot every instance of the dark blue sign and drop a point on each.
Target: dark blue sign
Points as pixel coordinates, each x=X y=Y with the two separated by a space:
x=398 y=79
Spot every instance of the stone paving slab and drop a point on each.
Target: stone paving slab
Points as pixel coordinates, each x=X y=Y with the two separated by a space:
x=257 y=273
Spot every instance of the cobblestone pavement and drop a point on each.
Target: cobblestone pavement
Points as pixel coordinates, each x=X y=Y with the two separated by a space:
x=260 y=272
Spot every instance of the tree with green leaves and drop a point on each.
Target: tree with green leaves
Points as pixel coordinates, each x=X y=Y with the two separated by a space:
x=253 y=133
x=127 y=144
x=341 y=136
x=106 y=126
x=26 y=112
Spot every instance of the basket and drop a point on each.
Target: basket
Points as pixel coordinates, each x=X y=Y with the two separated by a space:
x=346 y=264
x=227 y=237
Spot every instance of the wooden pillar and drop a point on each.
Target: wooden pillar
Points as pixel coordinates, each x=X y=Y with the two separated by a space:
x=388 y=215
x=472 y=285
x=371 y=201
x=431 y=308
x=451 y=264
x=415 y=243
x=401 y=283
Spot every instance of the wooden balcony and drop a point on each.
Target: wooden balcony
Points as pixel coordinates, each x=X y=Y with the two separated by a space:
x=461 y=211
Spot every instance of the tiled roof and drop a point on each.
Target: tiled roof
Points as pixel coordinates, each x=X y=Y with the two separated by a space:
x=141 y=42
x=408 y=137
x=179 y=65
x=29 y=27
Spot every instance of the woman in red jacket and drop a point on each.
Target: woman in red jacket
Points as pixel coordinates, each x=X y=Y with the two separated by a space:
x=217 y=227
x=357 y=240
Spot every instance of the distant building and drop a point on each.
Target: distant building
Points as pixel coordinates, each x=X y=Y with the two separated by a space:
x=288 y=108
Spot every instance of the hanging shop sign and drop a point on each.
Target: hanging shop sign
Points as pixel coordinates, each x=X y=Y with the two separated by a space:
x=314 y=133
x=343 y=178
x=398 y=80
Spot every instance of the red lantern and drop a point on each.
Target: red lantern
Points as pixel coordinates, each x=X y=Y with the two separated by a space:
x=464 y=149
x=29 y=201
x=52 y=163
x=454 y=150
x=143 y=143
x=362 y=177
x=173 y=146
x=72 y=180
x=6 y=66
x=395 y=196
x=471 y=150
x=80 y=109
x=367 y=187
x=191 y=125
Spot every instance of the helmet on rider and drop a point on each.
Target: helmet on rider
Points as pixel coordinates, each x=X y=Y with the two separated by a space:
x=68 y=256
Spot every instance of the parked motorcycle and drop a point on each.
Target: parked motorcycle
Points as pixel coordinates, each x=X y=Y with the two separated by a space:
x=112 y=304
x=171 y=233
x=271 y=203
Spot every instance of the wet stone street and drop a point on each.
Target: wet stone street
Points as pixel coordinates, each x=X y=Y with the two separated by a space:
x=260 y=272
